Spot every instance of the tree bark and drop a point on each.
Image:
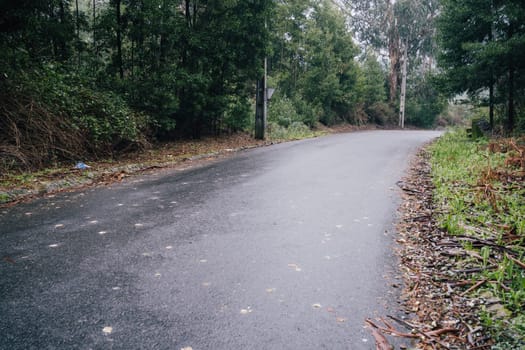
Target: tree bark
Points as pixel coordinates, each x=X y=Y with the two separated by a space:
x=403 y=88
x=77 y=14
x=119 y=38
x=393 y=53
x=511 y=110
x=491 y=102
x=94 y=28
x=491 y=82
x=62 y=43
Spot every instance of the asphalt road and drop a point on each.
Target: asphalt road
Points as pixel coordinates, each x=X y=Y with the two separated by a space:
x=282 y=247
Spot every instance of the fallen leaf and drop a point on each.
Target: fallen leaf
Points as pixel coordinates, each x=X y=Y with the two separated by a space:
x=9 y=259
x=246 y=311
x=295 y=267
x=316 y=306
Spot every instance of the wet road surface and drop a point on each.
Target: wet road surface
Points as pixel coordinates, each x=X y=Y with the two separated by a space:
x=283 y=247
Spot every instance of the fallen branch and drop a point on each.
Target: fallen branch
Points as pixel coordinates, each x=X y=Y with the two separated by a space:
x=426 y=335
x=476 y=269
x=474 y=287
x=381 y=341
x=516 y=261
x=478 y=242
x=391 y=330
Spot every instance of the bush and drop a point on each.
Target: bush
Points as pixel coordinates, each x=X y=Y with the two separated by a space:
x=308 y=113
x=295 y=131
x=381 y=113
x=282 y=111
x=238 y=114
x=49 y=117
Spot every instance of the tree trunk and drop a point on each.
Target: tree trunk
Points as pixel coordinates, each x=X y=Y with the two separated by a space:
x=62 y=14
x=119 y=38
x=491 y=82
x=403 y=89
x=95 y=50
x=393 y=53
x=77 y=14
x=511 y=110
x=491 y=102
x=188 y=13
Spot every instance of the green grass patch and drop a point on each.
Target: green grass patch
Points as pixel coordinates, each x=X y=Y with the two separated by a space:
x=480 y=194
x=295 y=131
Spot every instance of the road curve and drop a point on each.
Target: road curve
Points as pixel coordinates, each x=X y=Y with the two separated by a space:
x=283 y=247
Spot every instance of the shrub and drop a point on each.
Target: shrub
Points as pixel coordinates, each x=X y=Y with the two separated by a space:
x=295 y=131
x=49 y=117
x=381 y=113
x=282 y=111
x=238 y=114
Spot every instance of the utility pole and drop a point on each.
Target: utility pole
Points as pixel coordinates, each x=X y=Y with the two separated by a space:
x=261 y=105
x=403 y=88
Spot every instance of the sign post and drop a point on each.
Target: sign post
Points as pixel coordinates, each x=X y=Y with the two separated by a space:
x=261 y=106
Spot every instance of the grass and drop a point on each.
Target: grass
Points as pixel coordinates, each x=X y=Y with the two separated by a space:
x=480 y=193
x=296 y=131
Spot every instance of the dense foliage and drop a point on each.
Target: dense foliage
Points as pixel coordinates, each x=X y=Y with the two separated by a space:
x=104 y=74
x=114 y=74
x=403 y=30
x=483 y=54
x=314 y=67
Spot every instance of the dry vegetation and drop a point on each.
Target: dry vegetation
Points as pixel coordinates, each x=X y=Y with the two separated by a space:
x=462 y=246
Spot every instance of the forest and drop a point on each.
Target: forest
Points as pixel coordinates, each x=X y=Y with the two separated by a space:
x=89 y=79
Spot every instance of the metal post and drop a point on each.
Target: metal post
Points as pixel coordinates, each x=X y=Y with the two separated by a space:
x=261 y=102
x=403 y=89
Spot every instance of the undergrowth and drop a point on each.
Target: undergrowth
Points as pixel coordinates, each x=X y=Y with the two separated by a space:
x=48 y=117
x=295 y=131
x=480 y=197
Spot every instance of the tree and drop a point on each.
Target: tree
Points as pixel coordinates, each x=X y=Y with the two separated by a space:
x=424 y=102
x=483 y=48
x=376 y=26
x=373 y=90
x=313 y=60
x=404 y=27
